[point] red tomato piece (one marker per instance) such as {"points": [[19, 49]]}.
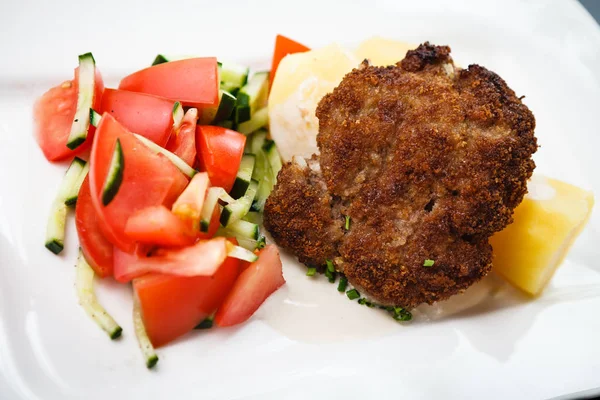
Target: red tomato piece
{"points": [[54, 113], [220, 152], [97, 250], [194, 82], [173, 305], [283, 47], [148, 180], [144, 114], [158, 226], [201, 259], [183, 141], [252, 288]]}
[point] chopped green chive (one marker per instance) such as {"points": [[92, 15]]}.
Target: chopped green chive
{"points": [[330, 267], [362, 301], [428, 263], [205, 324], [343, 283], [400, 314], [347, 223], [330, 275], [353, 294], [311, 271]]}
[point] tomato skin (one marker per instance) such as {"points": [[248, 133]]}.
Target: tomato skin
{"points": [[97, 250], [283, 47], [220, 152], [172, 305], [200, 259], [148, 180], [183, 142], [144, 114], [254, 285], [158, 226], [193, 81], [54, 113]]}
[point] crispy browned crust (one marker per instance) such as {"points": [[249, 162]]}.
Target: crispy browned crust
{"points": [[428, 161], [299, 215]]}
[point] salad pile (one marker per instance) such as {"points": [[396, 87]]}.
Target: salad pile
{"points": [[179, 166]]}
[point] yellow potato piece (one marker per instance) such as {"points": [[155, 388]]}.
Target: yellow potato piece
{"points": [[383, 52], [546, 223]]}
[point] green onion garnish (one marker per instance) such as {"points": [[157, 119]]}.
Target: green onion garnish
{"points": [[347, 223], [353, 294], [343, 283], [311, 271], [330, 267], [400, 314], [330, 275], [428, 263], [362, 301]]}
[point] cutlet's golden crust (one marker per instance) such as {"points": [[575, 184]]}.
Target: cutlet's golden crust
{"points": [[428, 161]]}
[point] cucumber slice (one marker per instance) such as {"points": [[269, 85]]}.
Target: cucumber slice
{"points": [[273, 157], [259, 120], [210, 202], [115, 175], [150, 356], [257, 141], [85, 98], [242, 253], [233, 74], [55, 229], [84, 285], [94, 118], [242, 179], [244, 229], [177, 115], [178, 162], [251, 97], [226, 124], [234, 211], [254, 217], [71, 199], [221, 112]]}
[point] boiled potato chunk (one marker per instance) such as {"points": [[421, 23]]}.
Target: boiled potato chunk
{"points": [[383, 52], [546, 223]]}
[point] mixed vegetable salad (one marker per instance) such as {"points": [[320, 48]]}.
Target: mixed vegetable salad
{"points": [[179, 165]]}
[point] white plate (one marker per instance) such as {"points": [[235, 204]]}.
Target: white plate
{"points": [[507, 348]]}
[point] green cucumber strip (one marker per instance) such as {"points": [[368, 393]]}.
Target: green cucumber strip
{"points": [[206, 323], [114, 177], [245, 229], [160, 59], [273, 157], [55, 229], [84, 284], [85, 97], [150, 356], [226, 124], [71, 199], [259, 120], [242, 111], [221, 112], [264, 172], [178, 162], [242, 179], [257, 141], [242, 254], [210, 202], [254, 217], [94, 118], [233, 74], [234, 211], [255, 92], [177, 115]]}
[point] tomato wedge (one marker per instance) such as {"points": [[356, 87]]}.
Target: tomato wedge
{"points": [[158, 226], [183, 141], [97, 250], [201, 259], [283, 47], [144, 114], [173, 305], [194, 81], [220, 152], [251, 289], [54, 113], [148, 180]]}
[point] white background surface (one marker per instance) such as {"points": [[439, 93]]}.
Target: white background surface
{"points": [[548, 51]]}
